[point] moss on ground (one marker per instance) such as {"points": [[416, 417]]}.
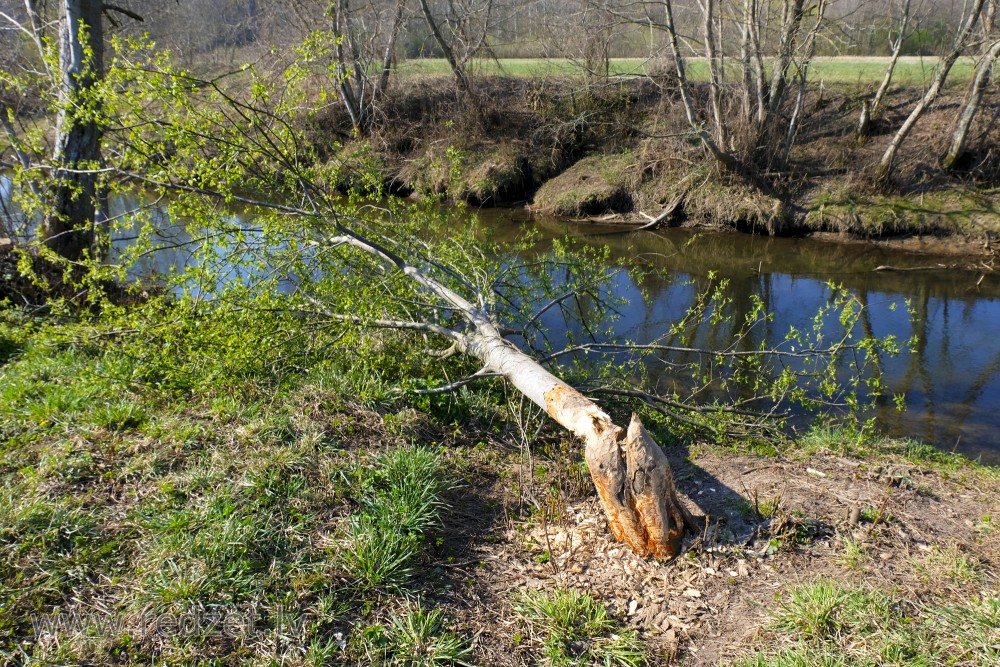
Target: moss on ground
{"points": [[595, 185], [966, 212]]}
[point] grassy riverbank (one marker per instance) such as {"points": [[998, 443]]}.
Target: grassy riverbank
{"points": [[323, 515], [622, 148]]}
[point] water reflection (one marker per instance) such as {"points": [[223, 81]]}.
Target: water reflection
{"points": [[952, 380]]}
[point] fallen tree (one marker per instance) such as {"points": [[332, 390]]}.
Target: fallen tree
{"points": [[630, 471], [333, 262]]}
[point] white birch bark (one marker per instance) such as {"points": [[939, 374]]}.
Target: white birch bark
{"points": [[888, 160], [629, 470]]}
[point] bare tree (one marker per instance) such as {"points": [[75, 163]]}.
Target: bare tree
{"points": [[802, 76], [974, 98], [871, 108], [965, 31], [365, 45], [687, 99], [752, 128], [460, 30]]}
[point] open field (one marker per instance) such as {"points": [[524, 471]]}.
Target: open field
{"points": [[911, 70]]}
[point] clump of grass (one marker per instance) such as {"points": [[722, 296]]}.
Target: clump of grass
{"points": [[574, 628], [948, 565], [119, 416], [402, 504], [417, 637], [827, 623], [854, 554], [830, 439]]}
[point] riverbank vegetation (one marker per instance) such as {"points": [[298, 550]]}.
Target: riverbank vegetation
{"points": [[321, 516], [257, 409], [888, 138]]}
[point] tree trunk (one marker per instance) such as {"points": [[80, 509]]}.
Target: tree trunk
{"points": [[714, 74], [803, 77], [70, 227], [390, 49], [338, 14], [980, 82], [871, 109], [449, 54], [630, 471], [752, 65], [720, 154], [885, 165], [791, 19]]}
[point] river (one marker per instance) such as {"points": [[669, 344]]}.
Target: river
{"points": [[951, 380]]}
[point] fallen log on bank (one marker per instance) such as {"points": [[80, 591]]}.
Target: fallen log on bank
{"points": [[645, 223], [629, 469]]}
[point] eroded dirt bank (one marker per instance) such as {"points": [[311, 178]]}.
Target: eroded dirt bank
{"points": [[621, 151]]}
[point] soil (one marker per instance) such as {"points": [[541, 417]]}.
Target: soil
{"points": [[714, 602]]}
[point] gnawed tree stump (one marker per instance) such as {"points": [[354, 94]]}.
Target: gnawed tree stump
{"points": [[631, 474], [629, 470]]}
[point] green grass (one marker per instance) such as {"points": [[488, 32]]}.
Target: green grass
{"points": [[827, 623], [417, 637], [123, 507], [305, 510], [910, 71], [575, 629], [401, 507], [824, 439]]}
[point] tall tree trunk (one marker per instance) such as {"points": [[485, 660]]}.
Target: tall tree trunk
{"points": [[390, 49], [757, 53], [871, 109], [974, 98], [347, 62], [963, 125], [803, 78], [714, 74], [884, 169], [457, 68], [791, 19], [752, 64], [720, 154], [70, 228]]}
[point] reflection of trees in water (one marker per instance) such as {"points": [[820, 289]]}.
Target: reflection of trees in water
{"points": [[957, 395]]}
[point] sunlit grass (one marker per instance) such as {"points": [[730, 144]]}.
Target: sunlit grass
{"points": [[415, 637], [910, 71], [237, 501], [574, 628], [828, 623]]}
